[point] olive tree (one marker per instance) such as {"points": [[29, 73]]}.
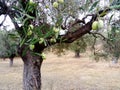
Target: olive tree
{"points": [[8, 46], [43, 23], [78, 46]]}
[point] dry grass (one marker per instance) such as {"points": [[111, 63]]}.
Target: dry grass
{"points": [[64, 73]]}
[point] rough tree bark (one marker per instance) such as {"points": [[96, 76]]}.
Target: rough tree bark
{"points": [[32, 72]]}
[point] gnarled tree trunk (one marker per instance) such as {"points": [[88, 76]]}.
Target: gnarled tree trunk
{"points": [[32, 73]]}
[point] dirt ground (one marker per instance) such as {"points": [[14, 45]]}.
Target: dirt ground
{"points": [[65, 73]]}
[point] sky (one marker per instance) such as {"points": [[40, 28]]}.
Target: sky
{"points": [[7, 22]]}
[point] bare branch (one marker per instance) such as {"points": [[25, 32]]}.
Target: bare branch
{"points": [[103, 37], [64, 26], [72, 36], [96, 33]]}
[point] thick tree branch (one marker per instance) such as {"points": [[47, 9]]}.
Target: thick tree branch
{"points": [[72, 36], [69, 37]]}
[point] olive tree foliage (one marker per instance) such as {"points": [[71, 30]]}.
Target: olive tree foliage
{"points": [[43, 23], [8, 45], [110, 36], [2, 48], [113, 35]]}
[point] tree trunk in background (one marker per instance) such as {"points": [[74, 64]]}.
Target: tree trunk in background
{"points": [[11, 62], [4, 58], [32, 73], [77, 53], [115, 60]]}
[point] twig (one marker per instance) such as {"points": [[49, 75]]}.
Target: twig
{"points": [[103, 37]]}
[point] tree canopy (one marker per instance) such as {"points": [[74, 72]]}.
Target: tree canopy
{"points": [[43, 23]]}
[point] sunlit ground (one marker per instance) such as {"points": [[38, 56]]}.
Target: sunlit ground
{"points": [[64, 73]]}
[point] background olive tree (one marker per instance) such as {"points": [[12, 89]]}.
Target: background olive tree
{"points": [[8, 45]]}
